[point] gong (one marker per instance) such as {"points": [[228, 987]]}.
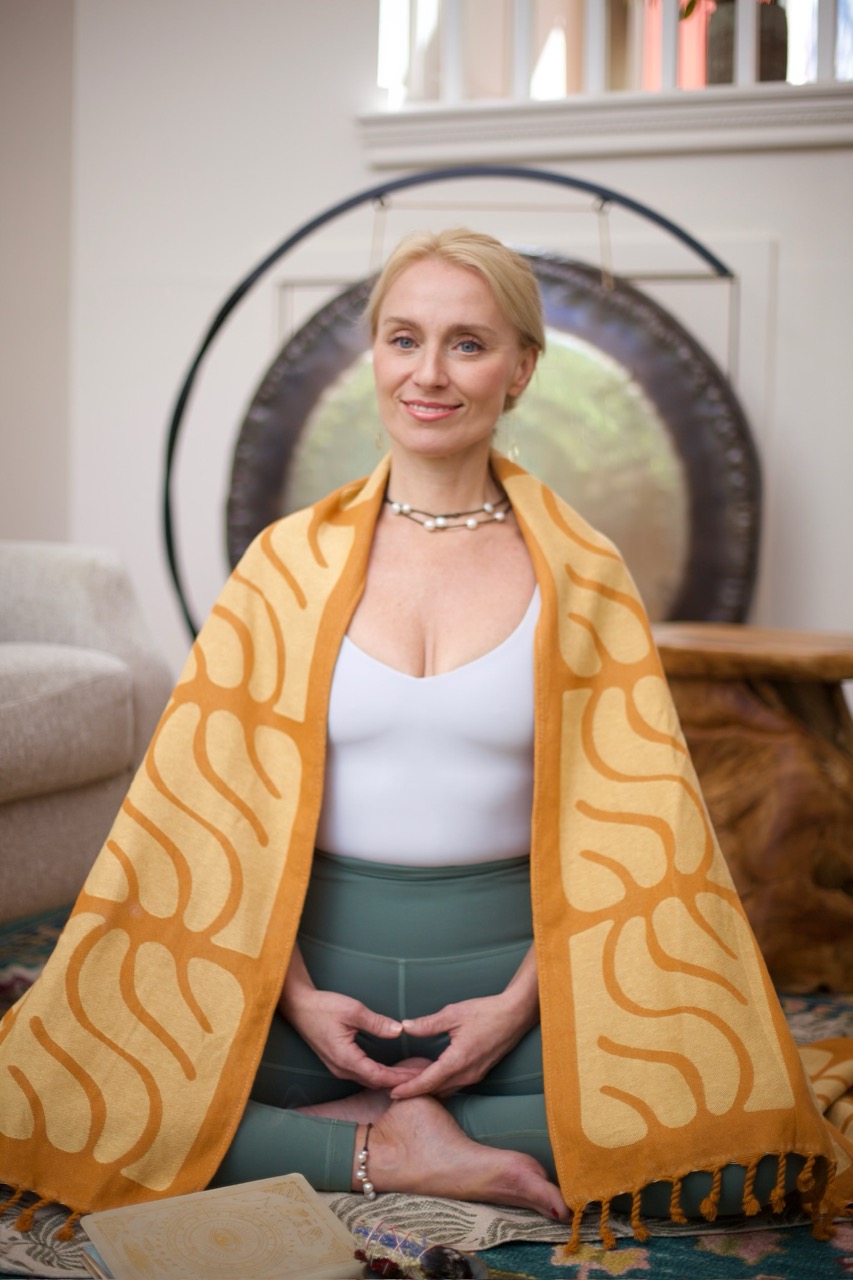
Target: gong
{"points": [[628, 418]]}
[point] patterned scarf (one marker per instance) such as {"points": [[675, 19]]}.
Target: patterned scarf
{"points": [[125, 1069]]}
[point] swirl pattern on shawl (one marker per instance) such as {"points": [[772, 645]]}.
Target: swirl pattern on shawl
{"points": [[115, 1057], [659, 1020]]}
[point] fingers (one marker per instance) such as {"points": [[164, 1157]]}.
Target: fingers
{"points": [[373, 1075], [358, 1017], [431, 1024], [361, 1068], [414, 1088], [441, 1076], [378, 1025]]}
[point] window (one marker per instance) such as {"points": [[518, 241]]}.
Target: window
{"points": [[461, 51]]}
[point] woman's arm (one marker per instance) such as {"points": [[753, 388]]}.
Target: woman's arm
{"points": [[329, 1023], [482, 1031]]}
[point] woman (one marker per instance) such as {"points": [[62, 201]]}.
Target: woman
{"points": [[436, 778], [518, 971], [452, 608]]}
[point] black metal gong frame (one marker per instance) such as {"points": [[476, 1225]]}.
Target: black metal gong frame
{"points": [[604, 195]]}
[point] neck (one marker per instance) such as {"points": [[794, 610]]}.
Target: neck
{"points": [[442, 484]]}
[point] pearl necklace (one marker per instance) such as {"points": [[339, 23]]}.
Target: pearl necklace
{"points": [[453, 519]]}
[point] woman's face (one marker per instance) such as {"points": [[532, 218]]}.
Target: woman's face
{"points": [[445, 358]]}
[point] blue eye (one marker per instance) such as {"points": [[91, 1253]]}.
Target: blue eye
{"points": [[404, 342], [468, 346]]}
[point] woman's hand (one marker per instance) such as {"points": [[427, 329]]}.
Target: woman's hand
{"points": [[329, 1023], [481, 1031]]}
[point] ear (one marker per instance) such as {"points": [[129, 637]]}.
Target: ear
{"points": [[527, 361]]}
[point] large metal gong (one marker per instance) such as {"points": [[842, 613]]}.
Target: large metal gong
{"points": [[627, 417]]}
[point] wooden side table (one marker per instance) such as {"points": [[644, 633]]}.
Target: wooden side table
{"points": [[771, 736]]}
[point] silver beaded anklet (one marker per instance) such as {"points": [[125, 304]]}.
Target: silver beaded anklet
{"points": [[361, 1169]]}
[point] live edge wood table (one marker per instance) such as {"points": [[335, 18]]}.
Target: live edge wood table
{"points": [[771, 735]]}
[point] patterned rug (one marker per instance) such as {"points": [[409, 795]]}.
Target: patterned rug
{"points": [[770, 1254], [24, 947], [512, 1243]]}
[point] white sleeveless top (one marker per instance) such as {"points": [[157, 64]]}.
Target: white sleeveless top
{"points": [[433, 770]]}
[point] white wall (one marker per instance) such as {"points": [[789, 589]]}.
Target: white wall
{"points": [[204, 131], [35, 196]]}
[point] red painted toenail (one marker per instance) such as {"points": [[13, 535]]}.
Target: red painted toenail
{"points": [[554, 1213]]}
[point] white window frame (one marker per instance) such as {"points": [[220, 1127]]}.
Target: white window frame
{"points": [[765, 116]]}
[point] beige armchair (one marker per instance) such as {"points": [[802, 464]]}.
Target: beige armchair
{"points": [[81, 690]]}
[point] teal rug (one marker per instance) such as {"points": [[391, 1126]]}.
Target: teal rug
{"points": [[788, 1253]]}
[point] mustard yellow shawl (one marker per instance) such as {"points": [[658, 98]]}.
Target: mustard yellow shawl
{"points": [[125, 1069]]}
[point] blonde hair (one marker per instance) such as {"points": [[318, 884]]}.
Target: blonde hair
{"points": [[508, 275]]}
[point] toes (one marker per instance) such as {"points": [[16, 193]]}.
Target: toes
{"points": [[528, 1185]]}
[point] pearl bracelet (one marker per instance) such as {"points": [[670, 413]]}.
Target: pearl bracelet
{"points": [[361, 1169]]}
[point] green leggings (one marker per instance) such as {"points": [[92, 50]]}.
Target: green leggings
{"points": [[406, 941]]}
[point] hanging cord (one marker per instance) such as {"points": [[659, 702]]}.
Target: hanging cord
{"points": [[573, 1243], [608, 1239], [675, 1210], [13, 1200], [66, 1231], [708, 1207], [777, 1197], [605, 246], [805, 1179], [751, 1205], [640, 1230], [377, 239], [25, 1218]]}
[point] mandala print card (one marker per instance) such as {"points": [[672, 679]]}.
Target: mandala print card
{"points": [[267, 1230]]}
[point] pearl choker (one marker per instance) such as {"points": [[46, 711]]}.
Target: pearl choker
{"points": [[453, 519]]}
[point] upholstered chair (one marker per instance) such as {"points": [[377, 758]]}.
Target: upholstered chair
{"points": [[82, 687]]}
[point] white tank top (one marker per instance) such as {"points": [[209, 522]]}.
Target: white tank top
{"points": [[433, 770]]}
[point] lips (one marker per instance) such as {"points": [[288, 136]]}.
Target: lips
{"points": [[429, 410]]}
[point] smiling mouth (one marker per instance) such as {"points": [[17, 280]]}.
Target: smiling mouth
{"points": [[429, 408]]}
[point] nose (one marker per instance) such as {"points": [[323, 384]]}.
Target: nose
{"points": [[430, 370]]}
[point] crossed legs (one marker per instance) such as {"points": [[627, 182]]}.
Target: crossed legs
{"points": [[416, 1145]]}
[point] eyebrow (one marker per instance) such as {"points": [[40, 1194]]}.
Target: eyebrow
{"points": [[471, 327]]}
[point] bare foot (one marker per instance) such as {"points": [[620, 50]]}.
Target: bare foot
{"points": [[416, 1146]]}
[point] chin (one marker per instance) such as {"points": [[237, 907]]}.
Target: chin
{"points": [[434, 443]]}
